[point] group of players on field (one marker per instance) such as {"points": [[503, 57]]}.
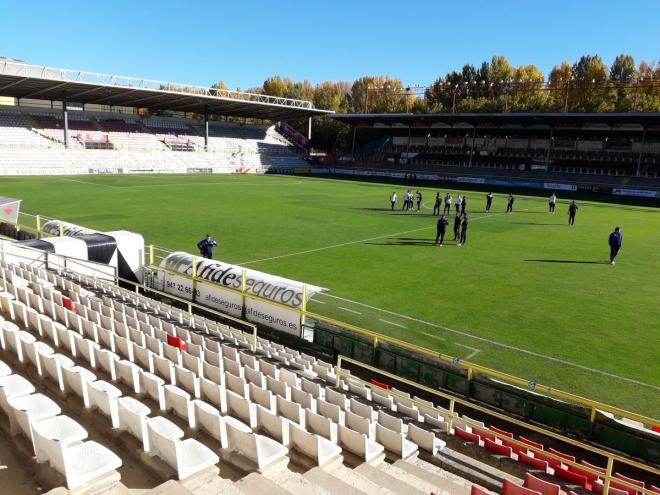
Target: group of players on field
{"points": [[461, 220]]}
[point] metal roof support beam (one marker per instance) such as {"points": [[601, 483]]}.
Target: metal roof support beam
{"points": [[65, 115], [19, 81], [50, 88]]}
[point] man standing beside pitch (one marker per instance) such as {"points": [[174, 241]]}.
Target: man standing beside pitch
{"points": [[441, 229], [206, 246], [463, 205], [447, 209], [509, 203], [458, 203], [393, 199], [572, 210], [457, 227], [419, 199], [615, 241], [489, 201], [552, 201], [464, 227], [436, 206]]}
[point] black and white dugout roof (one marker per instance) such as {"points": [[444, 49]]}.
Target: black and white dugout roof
{"points": [[499, 120], [22, 80]]}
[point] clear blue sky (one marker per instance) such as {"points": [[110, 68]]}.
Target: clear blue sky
{"points": [[243, 42]]}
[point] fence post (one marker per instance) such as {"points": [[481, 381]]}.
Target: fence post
{"points": [[243, 291], [61, 228], [337, 370], [304, 307], [38, 227], [451, 415], [151, 254], [194, 279], [608, 474]]}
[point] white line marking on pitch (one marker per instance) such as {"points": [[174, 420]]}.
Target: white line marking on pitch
{"points": [[317, 301], [474, 350], [391, 323], [87, 182], [360, 241], [434, 336], [349, 310], [505, 346]]}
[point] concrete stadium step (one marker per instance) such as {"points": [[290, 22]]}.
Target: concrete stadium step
{"points": [[436, 478], [297, 483], [256, 484], [216, 487], [345, 480], [332, 483], [403, 474], [383, 478]]}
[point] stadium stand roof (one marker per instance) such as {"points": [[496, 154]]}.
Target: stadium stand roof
{"points": [[22, 80], [440, 120]]}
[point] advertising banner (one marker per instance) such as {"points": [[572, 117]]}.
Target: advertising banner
{"points": [[471, 180], [559, 187], [641, 193], [282, 291], [9, 209]]}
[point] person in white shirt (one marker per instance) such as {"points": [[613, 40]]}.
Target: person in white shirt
{"points": [[459, 201], [393, 200], [552, 201], [447, 209]]}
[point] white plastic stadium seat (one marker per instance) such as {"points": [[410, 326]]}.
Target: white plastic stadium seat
{"points": [[30, 408], [261, 450], [321, 450], [186, 457], [359, 444], [395, 442], [133, 416], [425, 439]]}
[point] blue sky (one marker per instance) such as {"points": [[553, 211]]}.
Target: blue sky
{"points": [[243, 42]]}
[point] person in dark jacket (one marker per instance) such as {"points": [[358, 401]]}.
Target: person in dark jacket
{"points": [[206, 246], [463, 205], [436, 206], [489, 201], [615, 241], [457, 227], [441, 229], [572, 210], [464, 227], [509, 203]]}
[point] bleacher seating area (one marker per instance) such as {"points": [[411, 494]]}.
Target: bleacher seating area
{"points": [[35, 138], [567, 155], [98, 383]]}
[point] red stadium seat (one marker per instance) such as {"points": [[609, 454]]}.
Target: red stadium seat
{"points": [[176, 342], [561, 454], [497, 448], [599, 487], [501, 432], [544, 487], [477, 490], [515, 447], [530, 443], [484, 434], [590, 476], [466, 435], [552, 462], [379, 384], [654, 489], [510, 488], [632, 481], [594, 467], [68, 304], [533, 462], [574, 478]]}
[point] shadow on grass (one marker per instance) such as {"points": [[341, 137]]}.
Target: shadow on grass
{"points": [[572, 262]]}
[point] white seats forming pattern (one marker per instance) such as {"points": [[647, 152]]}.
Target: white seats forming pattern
{"points": [[251, 406]]}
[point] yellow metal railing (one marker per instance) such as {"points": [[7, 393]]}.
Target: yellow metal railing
{"points": [[451, 417]]}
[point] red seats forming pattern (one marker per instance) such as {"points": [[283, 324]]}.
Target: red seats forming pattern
{"points": [[515, 447], [589, 476], [599, 487], [632, 481], [385, 386], [483, 434], [476, 490], [544, 487], [654, 489], [562, 455], [552, 462]]}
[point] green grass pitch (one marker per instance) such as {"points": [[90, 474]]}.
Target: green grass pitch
{"points": [[527, 295]]}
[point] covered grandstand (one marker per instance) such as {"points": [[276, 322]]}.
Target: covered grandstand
{"points": [[609, 149]]}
